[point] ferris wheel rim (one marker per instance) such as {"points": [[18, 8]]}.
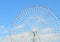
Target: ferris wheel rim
{"points": [[45, 7]]}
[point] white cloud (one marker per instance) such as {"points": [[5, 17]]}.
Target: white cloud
{"points": [[24, 37], [0, 38], [21, 37], [5, 39], [1, 26], [45, 37], [19, 26], [27, 36], [46, 30], [5, 31]]}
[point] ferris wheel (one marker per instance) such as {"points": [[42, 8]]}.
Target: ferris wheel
{"points": [[29, 24]]}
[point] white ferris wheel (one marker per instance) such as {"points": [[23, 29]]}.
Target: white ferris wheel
{"points": [[29, 25]]}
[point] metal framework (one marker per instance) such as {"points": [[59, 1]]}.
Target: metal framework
{"points": [[22, 13], [34, 36]]}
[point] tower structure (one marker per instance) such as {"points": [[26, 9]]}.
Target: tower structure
{"points": [[35, 36]]}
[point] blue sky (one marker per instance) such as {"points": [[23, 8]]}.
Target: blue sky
{"points": [[9, 9]]}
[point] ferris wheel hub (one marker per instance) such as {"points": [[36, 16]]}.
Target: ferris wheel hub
{"points": [[34, 30]]}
